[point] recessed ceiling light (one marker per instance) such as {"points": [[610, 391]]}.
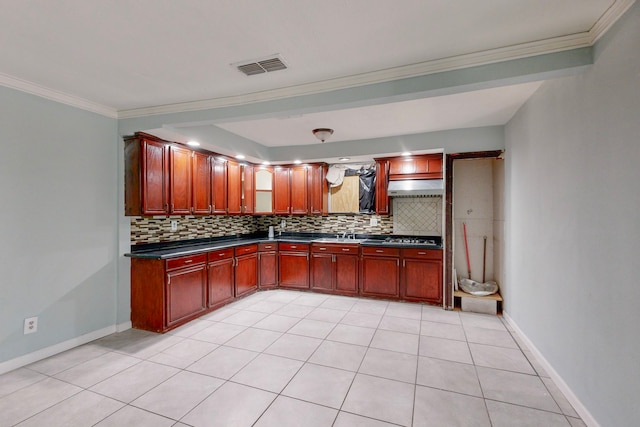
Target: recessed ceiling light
{"points": [[193, 143], [297, 162], [266, 163], [240, 156], [344, 159], [406, 153]]}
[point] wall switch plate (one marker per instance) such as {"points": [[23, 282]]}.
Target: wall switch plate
{"points": [[30, 325], [373, 221], [283, 224], [174, 225]]}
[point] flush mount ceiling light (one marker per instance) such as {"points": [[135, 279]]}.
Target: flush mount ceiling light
{"points": [[193, 143], [323, 133]]}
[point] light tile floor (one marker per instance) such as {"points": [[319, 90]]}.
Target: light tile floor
{"points": [[285, 358]]}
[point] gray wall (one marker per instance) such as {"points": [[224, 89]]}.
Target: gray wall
{"points": [[58, 219], [574, 225]]}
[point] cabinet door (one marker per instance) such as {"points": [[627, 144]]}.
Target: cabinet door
{"points": [[246, 274], [346, 273], [322, 271], [180, 179], [155, 178], [267, 270], [186, 293], [219, 186], [299, 184], [294, 269], [318, 190], [263, 190], [382, 184], [248, 190], [422, 280], [201, 187], [221, 281], [234, 188], [281, 193], [380, 276]]}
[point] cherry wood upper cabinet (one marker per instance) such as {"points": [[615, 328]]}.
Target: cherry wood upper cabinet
{"points": [[234, 188], [428, 166], [218, 186], [382, 184], [281, 192], [318, 189], [180, 180], [201, 186], [146, 176], [299, 184], [248, 191]]}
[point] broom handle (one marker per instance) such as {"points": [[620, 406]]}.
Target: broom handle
{"points": [[466, 248], [484, 258]]}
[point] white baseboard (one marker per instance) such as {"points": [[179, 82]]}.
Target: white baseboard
{"points": [[124, 326], [557, 379], [43, 353]]}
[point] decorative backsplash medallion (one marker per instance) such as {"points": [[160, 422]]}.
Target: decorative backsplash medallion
{"points": [[417, 215]]}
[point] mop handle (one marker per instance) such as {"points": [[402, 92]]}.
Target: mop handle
{"points": [[466, 247]]}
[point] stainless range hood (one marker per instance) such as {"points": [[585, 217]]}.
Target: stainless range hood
{"points": [[416, 187]]}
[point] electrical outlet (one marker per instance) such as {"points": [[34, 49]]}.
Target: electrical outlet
{"points": [[174, 225], [30, 325], [283, 224], [373, 221]]}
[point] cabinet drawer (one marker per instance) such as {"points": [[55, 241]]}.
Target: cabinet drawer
{"points": [[335, 249], [186, 261], [380, 250], [264, 247], [294, 246], [423, 253], [221, 254], [248, 249]]}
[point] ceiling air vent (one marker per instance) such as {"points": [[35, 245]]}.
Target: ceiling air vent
{"points": [[273, 63]]}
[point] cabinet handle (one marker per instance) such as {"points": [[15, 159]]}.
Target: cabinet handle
{"points": [[379, 251], [398, 262], [268, 247], [166, 207], [172, 207], [422, 253], [346, 249], [210, 209], [404, 263], [188, 261], [294, 247], [323, 249], [333, 258], [222, 254]]}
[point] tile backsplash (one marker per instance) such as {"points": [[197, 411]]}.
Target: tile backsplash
{"points": [[411, 216], [417, 215]]}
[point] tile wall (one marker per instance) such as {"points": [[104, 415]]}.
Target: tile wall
{"points": [[412, 216], [417, 215]]}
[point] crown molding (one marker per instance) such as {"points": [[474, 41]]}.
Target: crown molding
{"points": [[617, 9], [54, 95], [507, 53]]}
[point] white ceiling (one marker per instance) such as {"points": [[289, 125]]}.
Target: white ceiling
{"points": [[126, 56]]}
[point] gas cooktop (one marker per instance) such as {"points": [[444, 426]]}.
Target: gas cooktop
{"points": [[409, 241]]}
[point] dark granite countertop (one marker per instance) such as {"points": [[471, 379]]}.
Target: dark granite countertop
{"points": [[194, 246]]}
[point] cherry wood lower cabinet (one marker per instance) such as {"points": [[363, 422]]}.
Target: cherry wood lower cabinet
{"points": [[246, 269], [167, 293], [293, 265], [221, 277], [334, 268], [380, 272], [267, 265], [422, 275]]}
